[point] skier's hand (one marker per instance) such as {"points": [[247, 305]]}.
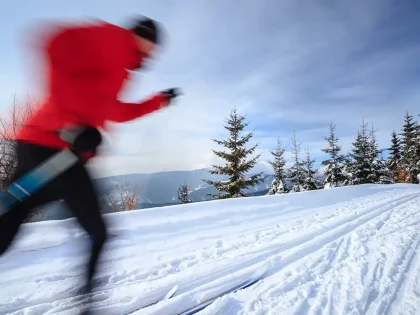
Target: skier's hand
{"points": [[170, 95]]}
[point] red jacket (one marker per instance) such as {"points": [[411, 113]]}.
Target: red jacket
{"points": [[87, 68]]}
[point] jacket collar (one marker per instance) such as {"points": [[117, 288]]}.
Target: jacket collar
{"points": [[135, 59]]}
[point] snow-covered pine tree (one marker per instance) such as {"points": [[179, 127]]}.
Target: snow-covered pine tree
{"points": [[348, 170], [296, 174], [361, 154], [309, 182], [383, 172], [334, 171], [394, 161], [380, 173], [237, 166], [409, 157], [417, 141], [184, 193], [278, 186]]}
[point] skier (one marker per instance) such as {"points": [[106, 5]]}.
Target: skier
{"points": [[87, 67]]}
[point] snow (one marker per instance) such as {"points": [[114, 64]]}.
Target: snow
{"points": [[348, 250]]}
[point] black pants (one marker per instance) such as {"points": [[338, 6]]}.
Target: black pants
{"points": [[73, 186]]}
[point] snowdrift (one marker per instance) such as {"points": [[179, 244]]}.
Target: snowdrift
{"points": [[350, 250]]}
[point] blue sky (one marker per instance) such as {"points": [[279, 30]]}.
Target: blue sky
{"points": [[288, 65]]}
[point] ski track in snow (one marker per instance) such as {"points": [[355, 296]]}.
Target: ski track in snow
{"points": [[352, 250]]}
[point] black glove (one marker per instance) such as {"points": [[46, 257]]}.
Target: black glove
{"points": [[82, 139], [172, 93]]}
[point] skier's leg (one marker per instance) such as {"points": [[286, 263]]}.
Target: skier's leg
{"points": [[81, 198], [28, 156], [12, 220]]}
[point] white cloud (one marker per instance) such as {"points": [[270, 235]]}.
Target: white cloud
{"points": [[278, 62], [288, 65]]}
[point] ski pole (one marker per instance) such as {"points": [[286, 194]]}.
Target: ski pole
{"points": [[24, 187]]}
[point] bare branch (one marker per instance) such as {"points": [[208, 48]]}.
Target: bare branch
{"points": [[123, 197], [10, 124]]}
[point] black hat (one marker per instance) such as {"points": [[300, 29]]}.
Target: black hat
{"points": [[147, 28]]}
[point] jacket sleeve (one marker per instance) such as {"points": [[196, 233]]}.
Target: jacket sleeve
{"points": [[123, 112]]}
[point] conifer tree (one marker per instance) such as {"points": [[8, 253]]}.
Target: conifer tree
{"points": [[394, 162], [309, 182], [278, 186], [417, 154], [380, 173], [367, 167], [361, 153], [383, 173], [348, 170], [184, 193], [295, 171], [237, 166], [409, 157], [334, 172]]}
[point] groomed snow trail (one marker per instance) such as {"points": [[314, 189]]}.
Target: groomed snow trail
{"points": [[351, 250]]}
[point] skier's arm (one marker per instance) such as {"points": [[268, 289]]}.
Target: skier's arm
{"points": [[129, 111]]}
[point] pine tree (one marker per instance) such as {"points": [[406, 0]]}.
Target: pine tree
{"points": [[334, 172], [296, 172], [380, 173], [278, 186], [409, 157], [184, 193], [384, 174], [394, 162], [361, 153], [367, 166], [348, 170], [309, 182], [417, 154], [237, 166]]}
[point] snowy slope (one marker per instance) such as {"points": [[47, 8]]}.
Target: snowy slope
{"points": [[350, 250]]}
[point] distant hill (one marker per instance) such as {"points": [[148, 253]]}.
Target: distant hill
{"points": [[160, 189]]}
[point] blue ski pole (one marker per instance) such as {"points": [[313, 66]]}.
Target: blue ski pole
{"points": [[28, 184], [34, 180]]}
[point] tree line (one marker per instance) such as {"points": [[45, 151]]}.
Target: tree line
{"points": [[365, 163]]}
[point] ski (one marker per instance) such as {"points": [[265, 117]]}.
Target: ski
{"points": [[257, 276], [154, 299], [146, 301]]}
